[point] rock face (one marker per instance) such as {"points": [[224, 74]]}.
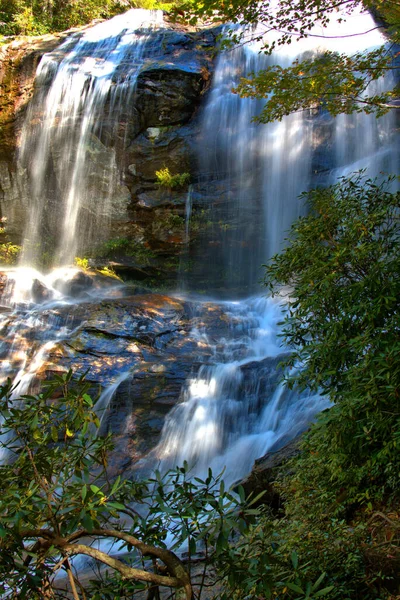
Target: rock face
{"points": [[138, 351], [156, 130]]}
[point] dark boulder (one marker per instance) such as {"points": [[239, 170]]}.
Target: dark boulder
{"points": [[75, 287], [168, 94], [40, 293], [264, 473]]}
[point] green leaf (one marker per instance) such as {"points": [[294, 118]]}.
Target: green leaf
{"points": [[54, 434], [294, 587], [87, 522], [84, 492], [318, 582], [192, 546], [116, 505], [323, 592], [115, 485]]}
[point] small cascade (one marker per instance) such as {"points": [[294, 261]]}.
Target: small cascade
{"points": [[188, 213], [103, 403], [229, 415], [236, 409], [81, 99]]}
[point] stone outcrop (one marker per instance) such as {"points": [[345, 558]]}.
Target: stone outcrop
{"points": [[146, 342], [157, 129], [264, 473]]}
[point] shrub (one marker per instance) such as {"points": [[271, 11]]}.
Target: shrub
{"points": [[9, 253], [82, 263], [55, 492], [343, 321], [167, 180]]}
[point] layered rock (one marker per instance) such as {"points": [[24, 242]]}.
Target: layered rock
{"points": [[156, 129]]}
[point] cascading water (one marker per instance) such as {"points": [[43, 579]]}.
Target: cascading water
{"points": [[79, 91], [234, 409], [221, 422]]}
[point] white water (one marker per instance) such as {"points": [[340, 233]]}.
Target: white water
{"points": [[221, 423], [235, 409], [75, 82], [229, 414]]}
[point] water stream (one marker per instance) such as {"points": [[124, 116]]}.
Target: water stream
{"points": [[80, 91], [233, 409]]}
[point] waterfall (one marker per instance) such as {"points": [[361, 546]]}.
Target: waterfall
{"points": [[264, 167], [79, 93], [225, 419], [234, 409]]}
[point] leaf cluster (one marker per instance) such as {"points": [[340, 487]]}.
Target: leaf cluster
{"points": [[56, 499], [167, 180], [330, 81], [336, 81]]}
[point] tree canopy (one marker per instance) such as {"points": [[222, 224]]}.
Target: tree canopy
{"points": [[36, 17]]}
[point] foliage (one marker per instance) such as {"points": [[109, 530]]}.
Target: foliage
{"points": [[82, 263], [36, 17], [9, 253], [55, 492], [337, 81], [167, 180], [127, 247], [342, 323], [109, 272], [333, 81]]}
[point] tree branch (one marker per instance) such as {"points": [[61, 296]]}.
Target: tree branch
{"points": [[126, 571]]}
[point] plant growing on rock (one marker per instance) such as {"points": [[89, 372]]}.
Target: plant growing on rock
{"points": [[82, 263], [167, 180], [9, 253]]}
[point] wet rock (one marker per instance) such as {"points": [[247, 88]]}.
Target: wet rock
{"points": [[75, 287], [264, 473], [157, 148], [168, 94], [40, 293]]}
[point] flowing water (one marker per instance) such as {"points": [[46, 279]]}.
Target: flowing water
{"points": [[80, 90], [234, 409]]}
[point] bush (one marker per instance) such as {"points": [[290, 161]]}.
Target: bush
{"points": [[9, 253], [55, 492], [167, 180], [342, 322], [82, 263]]}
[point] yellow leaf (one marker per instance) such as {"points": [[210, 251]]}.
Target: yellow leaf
{"points": [[69, 433]]}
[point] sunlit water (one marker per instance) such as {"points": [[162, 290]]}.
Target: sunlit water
{"points": [[234, 409], [79, 90]]}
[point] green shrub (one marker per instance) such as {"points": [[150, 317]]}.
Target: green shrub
{"points": [[82, 263], [126, 247], [342, 322], [9, 253], [167, 180], [55, 492]]}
